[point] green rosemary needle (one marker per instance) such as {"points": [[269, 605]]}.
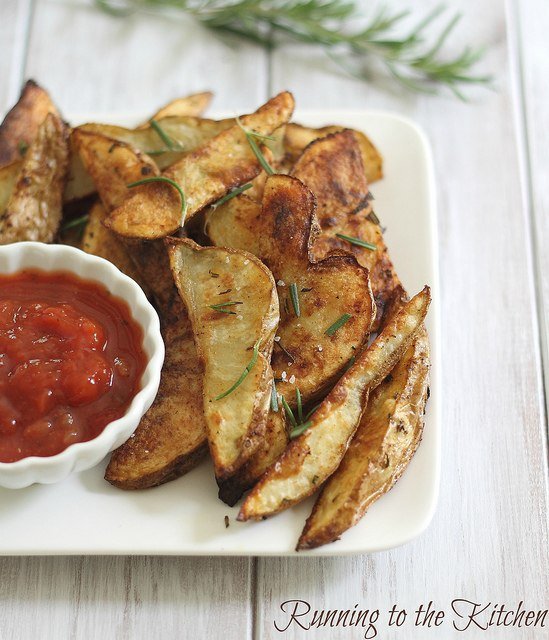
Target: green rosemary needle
{"points": [[169, 181], [232, 194], [221, 307], [243, 375], [338, 324], [294, 295], [274, 397], [299, 406], [77, 222], [357, 241], [251, 137]]}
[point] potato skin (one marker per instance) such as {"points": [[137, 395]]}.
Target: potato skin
{"points": [[386, 439], [34, 209]]}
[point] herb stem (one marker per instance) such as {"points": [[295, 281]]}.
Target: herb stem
{"points": [[243, 375], [357, 241]]}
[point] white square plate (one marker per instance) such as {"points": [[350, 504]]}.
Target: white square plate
{"points": [[86, 515]]}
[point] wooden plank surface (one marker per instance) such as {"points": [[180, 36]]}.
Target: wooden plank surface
{"points": [[493, 464], [488, 541], [14, 33], [530, 25]]}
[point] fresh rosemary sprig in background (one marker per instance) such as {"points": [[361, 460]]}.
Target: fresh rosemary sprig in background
{"points": [[337, 26]]}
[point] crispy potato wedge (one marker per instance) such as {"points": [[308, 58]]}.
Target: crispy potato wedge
{"points": [[333, 168], [384, 443], [297, 138], [34, 209], [20, 126], [306, 357], [205, 175], [191, 105], [272, 445], [171, 437], [99, 241], [314, 455], [231, 300]]}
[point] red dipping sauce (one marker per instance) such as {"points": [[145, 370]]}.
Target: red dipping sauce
{"points": [[71, 361]]}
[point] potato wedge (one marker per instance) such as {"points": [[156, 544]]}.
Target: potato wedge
{"points": [[99, 241], [34, 209], [386, 439], [191, 105], [205, 175], [313, 295], [231, 300], [234, 224], [314, 455], [333, 168], [20, 126], [272, 445], [171, 437], [298, 137]]}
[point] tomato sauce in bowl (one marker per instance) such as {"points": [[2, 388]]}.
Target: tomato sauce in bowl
{"points": [[71, 361]]}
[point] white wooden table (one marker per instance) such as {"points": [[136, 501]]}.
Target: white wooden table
{"points": [[488, 541]]}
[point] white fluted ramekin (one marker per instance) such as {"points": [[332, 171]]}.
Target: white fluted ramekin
{"points": [[83, 455]]}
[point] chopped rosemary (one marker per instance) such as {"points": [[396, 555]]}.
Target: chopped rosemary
{"points": [[274, 397], [338, 324], [311, 412], [166, 139], [350, 363], [251, 138], [22, 147], [231, 195], [220, 307], [294, 295], [171, 182], [357, 241], [243, 375], [372, 217], [213, 274], [76, 222], [297, 427]]}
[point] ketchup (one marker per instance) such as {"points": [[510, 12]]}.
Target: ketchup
{"points": [[71, 360]]}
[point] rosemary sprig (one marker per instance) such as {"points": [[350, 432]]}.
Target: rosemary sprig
{"points": [[338, 324], [232, 194], [294, 295], [243, 375], [372, 217], [221, 307], [357, 241], [350, 39], [171, 182], [252, 137]]}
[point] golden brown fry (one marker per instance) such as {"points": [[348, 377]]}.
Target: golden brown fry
{"points": [[297, 138], [8, 179], [386, 439], [205, 175], [234, 224], [34, 209], [332, 167], [231, 300], [191, 105], [314, 455], [20, 126]]}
